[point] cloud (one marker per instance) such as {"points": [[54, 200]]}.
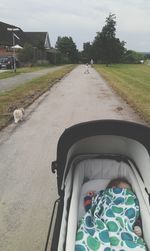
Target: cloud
{"points": [[81, 19]]}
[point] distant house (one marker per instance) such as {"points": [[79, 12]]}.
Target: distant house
{"points": [[6, 40], [39, 40]]}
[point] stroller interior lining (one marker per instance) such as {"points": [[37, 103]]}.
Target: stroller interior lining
{"points": [[110, 145], [94, 171]]}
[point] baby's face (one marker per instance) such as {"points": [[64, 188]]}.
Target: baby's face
{"points": [[124, 185]]}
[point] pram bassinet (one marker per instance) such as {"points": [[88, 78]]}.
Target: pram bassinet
{"points": [[88, 156]]}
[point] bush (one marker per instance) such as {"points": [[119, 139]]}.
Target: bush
{"points": [[26, 54], [133, 57]]}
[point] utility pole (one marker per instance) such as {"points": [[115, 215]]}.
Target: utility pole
{"points": [[13, 42]]}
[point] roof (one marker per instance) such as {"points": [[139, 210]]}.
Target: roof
{"points": [[6, 36], [36, 39]]}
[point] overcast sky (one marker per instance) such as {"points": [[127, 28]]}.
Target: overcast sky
{"points": [[81, 19]]}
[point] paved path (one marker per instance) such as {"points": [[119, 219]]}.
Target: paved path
{"points": [[27, 187], [10, 83]]}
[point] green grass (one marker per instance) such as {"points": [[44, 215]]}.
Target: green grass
{"points": [[8, 74], [11, 73], [26, 94], [132, 82]]}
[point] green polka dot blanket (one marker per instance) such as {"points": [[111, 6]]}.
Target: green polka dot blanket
{"points": [[108, 224]]}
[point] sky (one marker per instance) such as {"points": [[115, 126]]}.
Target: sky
{"points": [[81, 19]]}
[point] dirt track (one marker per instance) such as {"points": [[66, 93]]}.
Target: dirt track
{"points": [[27, 187], [10, 83]]}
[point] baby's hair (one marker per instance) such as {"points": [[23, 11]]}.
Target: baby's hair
{"points": [[117, 181]]}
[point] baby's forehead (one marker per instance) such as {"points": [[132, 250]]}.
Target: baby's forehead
{"points": [[124, 183]]}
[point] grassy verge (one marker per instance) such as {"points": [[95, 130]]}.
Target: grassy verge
{"points": [[8, 74], [11, 73], [132, 82], [26, 94]]}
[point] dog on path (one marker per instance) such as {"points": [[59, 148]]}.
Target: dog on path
{"points": [[18, 114], [86, 69]]}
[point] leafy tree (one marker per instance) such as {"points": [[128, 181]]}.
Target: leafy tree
{"points": [[87, 53], [109, 30], [68, 49], [40, 45], [97, 48], [133, 57], [106, 47], [26, 54]]}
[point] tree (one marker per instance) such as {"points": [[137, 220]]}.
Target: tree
{"points": [[68, 49], [106, 47], [26, 55], [133, 57], [87, 53]]}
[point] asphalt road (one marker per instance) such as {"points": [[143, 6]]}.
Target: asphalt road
{"points": [[27, 187], [10, 83]]}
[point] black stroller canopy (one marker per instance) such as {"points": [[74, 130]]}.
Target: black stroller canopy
{"points": [[78, 132]]}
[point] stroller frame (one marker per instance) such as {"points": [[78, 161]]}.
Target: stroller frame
{"points": [[93, 138]]}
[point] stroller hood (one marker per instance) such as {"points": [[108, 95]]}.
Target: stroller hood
{"points": [[94, 134]]}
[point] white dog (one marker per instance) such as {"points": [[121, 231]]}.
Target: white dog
{"points": [[86, 69], [18, 114]]}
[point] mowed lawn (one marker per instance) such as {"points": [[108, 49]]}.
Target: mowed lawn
{"points": [[132, 82]]}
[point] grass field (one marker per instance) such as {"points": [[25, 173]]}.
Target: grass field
{"points": [[24, 95], [132, 82]]}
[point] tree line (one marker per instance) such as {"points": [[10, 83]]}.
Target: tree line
{"points": [[106, 48]]}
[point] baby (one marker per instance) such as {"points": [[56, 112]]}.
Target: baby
{"points": [[121, 183]]}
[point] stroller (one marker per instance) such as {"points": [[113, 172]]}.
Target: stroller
{"points": [[89, 155]]}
